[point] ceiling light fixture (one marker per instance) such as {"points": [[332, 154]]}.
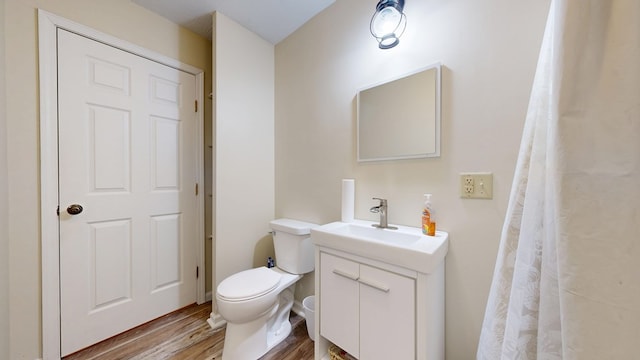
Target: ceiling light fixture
{"points": [[388, 23]]}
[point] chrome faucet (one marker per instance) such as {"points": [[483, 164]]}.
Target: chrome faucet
{"points": [[382, 210]]}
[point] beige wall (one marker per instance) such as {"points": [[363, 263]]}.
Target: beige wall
{"points": [[489, 51], [4, 232], [119, 18], [244, 126]]}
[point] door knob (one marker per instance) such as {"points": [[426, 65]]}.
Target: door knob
{"points": [[74, 209]]}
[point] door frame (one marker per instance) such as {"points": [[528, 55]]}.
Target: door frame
{"points": [[48, 24]]}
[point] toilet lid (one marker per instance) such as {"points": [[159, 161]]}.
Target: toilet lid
{"points": [[248, 284]]}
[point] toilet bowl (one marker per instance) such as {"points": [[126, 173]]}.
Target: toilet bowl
{"points": [[256, 302]]}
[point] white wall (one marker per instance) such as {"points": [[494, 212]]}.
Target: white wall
{"points": [[244, 127], [120, 18], [489, 51], [4, 231]]}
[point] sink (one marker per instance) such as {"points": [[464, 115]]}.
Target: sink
{"points": [[407, 246], [373, 233]]}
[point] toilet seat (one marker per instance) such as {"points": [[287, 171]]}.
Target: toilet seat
{"points": [[248, 284]]}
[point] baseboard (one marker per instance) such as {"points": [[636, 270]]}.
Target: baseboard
{"points": [[208, 296]]}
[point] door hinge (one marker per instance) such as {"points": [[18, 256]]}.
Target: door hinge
{"points": [[58, 210], [197, 272], [197, 189], [196, 105]]}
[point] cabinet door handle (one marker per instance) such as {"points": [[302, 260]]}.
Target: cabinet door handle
{"points": [[374, 284], [345, 274]]}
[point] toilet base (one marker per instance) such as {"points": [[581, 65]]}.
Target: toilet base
{"points": [[239, 346], [275, 337], [246, 341], [251, 340]]}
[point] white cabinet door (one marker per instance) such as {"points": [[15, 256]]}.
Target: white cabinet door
{"points": [[339, 292], [368, 312], [387, 315]]}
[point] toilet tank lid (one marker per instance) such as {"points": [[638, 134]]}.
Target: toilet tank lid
{"points": [[290, 226]]}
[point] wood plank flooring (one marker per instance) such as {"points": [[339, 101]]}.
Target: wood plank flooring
{"points": [[186, 335]]}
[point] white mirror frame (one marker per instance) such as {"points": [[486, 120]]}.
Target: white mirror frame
{"points": [[386, 130]]}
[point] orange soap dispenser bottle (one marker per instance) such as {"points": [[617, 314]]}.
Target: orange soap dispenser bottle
{"points": [[426, 214]]}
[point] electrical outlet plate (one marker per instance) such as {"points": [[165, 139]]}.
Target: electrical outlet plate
{"points": [[476, 185]]}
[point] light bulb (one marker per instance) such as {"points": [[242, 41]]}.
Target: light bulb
{"points": [[386, 21]]}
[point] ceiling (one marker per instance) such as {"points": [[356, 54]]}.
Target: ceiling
{"points": [[273, 20]]}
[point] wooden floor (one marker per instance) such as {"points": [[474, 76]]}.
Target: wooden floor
{"points": [[185, 334]]}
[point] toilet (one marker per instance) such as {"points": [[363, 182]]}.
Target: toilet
{"points": [[256, 302]]}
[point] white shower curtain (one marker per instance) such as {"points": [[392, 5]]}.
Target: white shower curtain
{"points": [[567, 278]]}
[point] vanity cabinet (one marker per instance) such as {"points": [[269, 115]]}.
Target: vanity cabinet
{"points": [[379, 292], [366, 310]]}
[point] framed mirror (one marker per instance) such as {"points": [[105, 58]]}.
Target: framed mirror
{"points": [[400, 119]]}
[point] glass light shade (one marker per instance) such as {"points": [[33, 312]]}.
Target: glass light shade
{"points": [[388, 23], [385, 21]]}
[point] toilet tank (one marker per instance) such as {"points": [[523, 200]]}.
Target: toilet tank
{"points": [[293, 246]]}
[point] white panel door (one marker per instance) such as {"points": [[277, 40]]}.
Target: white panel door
{"points": [[127, 155]]}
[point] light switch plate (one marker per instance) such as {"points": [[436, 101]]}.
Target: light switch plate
{"points": [[476, 185]]}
